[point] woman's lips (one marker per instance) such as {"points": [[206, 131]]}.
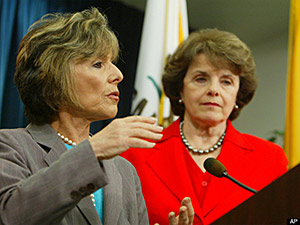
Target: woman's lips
{"points": [[211, 104], [114, 95]]}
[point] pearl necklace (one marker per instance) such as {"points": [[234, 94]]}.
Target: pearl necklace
{"points": [[66, 140], [93, 199], [70, 142], [200, 151]]}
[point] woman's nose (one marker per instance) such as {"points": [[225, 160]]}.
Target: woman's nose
{"points": [[213, 90], [116, 74]]}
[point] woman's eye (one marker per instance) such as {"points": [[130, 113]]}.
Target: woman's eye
{"points": [[98, 65], [201, 79], [227, 82]]}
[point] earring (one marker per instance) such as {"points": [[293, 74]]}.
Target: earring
{"points": [[236, 106], [180, 101]]}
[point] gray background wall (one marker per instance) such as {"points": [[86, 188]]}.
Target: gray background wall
{"points": [[266, 112]]}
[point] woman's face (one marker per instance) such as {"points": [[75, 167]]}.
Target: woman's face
{"points": [[96, 84], [209, 93]]}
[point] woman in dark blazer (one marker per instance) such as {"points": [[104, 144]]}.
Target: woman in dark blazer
{"points": [[53, 171]]}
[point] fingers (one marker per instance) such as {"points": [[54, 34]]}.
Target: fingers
{"points": [[144, 123], [140, 128], [186, 214], [172, 219], [181, 219], [147, 123], [145, 133], [125, 133], [190, 210], [144, 119], [183, 216]]}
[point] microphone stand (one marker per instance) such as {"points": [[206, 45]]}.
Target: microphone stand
{"points": [[225, 174]]}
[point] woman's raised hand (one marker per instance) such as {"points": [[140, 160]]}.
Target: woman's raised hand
{"points": [[185, 216], [125, 133]]}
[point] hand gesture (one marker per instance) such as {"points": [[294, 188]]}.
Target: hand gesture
{"points": [[122, 134], [185, 216]]}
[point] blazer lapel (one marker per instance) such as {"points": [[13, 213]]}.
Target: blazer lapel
{"points": [[46, 136], [235, 149], [113, 206], [162, 163], [88, 210]]}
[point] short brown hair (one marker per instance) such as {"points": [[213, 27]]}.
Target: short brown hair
{"points": [[46, 53], [221, 47]]}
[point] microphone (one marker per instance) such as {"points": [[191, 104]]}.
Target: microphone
{"points": [[216, 168]]}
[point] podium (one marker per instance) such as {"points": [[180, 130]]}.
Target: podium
{"points": [[278, 203]]}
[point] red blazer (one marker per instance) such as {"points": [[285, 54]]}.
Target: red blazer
{"points": [[166, 181]]}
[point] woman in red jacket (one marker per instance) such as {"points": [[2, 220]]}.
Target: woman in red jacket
{"points": [[209, 79]]}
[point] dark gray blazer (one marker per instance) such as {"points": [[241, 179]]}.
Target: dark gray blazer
{"points": [[43, 183]]}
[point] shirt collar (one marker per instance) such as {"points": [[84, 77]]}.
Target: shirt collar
{"points": [[232, 135]]}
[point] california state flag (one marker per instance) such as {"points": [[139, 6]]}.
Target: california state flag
{"points": [[165, 26]]}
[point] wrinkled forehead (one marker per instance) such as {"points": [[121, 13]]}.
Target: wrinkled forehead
{"points": [[219, 62], [103, 53]]}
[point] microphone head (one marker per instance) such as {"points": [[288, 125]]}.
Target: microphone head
{"points": [[214, 167]]}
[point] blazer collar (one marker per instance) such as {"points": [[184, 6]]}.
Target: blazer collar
{"points": [[237, 138], [232, 135], [44, 134], [48, 139]]}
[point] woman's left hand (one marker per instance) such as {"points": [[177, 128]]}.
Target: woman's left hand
{"points": [[185, 216]]}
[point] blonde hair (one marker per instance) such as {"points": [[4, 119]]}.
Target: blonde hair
{"points": [[46, 55]]}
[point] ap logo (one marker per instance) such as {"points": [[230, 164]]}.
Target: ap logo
{"points": [[293, 221]]}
